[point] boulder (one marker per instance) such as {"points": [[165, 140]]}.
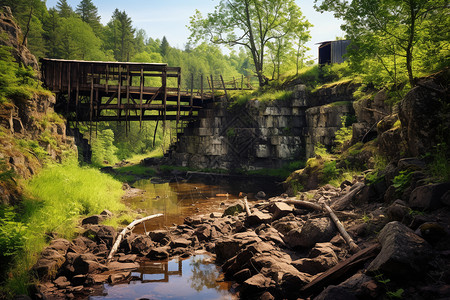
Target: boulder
{"points": [[159, 253], [314, 231], [141, 245], [255, 285], [445, 199], [61, 282], [403, 253], [333, 292], [60, 245], [280, 210], [78, 280], [87, 264], [180, 243], [230, 246], [257, 217], [48, 264], [292, 282], [362, 286], [318, 263], [101, 234], [203, 232], [427, 197], [106, 214], [93, 220]]}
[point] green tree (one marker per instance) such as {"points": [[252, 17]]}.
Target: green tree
{"points": [[52, 33], [164, 48], [249, 23], [89, 14], [78, 41], [390, 30], [64, 9], [120, 36]]}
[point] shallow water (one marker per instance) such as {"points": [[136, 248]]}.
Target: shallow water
{"points": [[193, 278], [196, 277], [197, 196]]}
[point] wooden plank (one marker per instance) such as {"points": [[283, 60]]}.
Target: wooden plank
{"points": [[201, 87], [141, 96], [224, 88], [119, 91], [178, 97], [341, 271], [191, 100], [69, 87], [107, 78], [212, 87], [91, 104], [77, 96]]}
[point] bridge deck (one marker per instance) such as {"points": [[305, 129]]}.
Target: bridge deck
{"points": [[115, 91]]}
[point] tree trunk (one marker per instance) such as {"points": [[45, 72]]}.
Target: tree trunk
{"points": [[409, 48]]}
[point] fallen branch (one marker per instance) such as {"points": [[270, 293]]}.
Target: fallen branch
{"points": [[305, 204], [130, 227], [247, 208], [353, 247], [343, 201]]}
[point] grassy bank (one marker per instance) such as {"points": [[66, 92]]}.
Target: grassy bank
{"points": [[53, 203]]}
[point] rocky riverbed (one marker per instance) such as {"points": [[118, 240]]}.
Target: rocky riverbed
{"points": [[280, 249]]}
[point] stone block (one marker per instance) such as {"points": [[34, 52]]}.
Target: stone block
{"points": [[282, 121], [275, 140], [269, 122], [262, 151], [285, 111], [205, 131]]}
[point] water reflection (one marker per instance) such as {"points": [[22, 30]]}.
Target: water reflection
{"points": [[193, 278], [178, 200]]}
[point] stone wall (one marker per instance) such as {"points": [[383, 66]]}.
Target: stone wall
{"points": [[258, 134]]}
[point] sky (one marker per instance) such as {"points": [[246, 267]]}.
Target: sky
{"points": [[170, 17]]}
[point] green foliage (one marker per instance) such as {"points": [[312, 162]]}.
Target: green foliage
{"points": [[344, 134], [86, 191], [12, 232], [103, 148], [402, 181], [329, 171], [440, 162], [281, 173]]}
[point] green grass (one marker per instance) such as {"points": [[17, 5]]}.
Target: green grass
{"points": [[282, 172], [54, 201]]}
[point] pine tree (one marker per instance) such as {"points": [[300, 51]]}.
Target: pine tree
{"points": [[120, 36], [64, 9], [164, 48], [89, 14]]}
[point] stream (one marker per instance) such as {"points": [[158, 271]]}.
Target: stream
{"points": [[196, 277]]}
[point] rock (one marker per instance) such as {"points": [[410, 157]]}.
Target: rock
{"points": [[280, 210], [98, 278], [117, 266], [60, 245], [180, 243], [321, 258], [48, 264], [260, 195], [128, 258], [159, 235], [411, 164], [203, 232], [192, 221], [215, 215], [428, 197], [257, 217], [101, 234], [333, 292], [432, 232], [314, 231], [445, 199], [292, 282], [87, 263], [233, 210], [362, 286], [403, 253], [242, 275], [61, 282], [399, 212], [159, 253], [271, 234], [106, 213], [255, 285], [94, 220], [141, 245], [266, 296], [78, 280], [230, 246], [118, 277]]}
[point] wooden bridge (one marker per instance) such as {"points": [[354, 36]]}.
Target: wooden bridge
{"points": [[125, 91]]}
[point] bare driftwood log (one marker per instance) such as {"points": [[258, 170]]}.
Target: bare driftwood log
{"points": [[130, 227], [305, 204], [342, 270], [247, 208], [353, 247]]}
